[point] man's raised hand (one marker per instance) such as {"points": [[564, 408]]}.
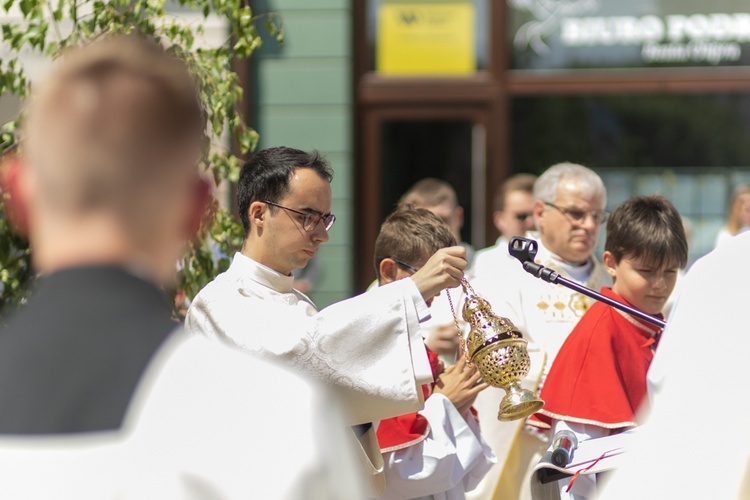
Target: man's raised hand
{"points": [[444, 269]]}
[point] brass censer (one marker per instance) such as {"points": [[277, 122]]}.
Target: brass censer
{"points": [[498, 349]]}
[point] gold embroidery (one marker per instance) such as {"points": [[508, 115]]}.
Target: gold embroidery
{"points": [[578, 303]]}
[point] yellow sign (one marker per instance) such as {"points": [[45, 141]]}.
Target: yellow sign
{"points": [[427, 38]]}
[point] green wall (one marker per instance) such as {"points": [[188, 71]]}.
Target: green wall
{"points": [[302, 98]]}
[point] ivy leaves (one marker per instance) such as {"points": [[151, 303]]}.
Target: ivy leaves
{"points": [[48, 27]]}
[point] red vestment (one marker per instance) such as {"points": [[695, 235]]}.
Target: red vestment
{"points": [[599, 376], [407, 430]]}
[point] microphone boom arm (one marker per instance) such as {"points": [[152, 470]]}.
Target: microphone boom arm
{"points": [[524, 250]]}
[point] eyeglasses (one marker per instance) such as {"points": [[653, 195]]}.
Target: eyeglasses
{"points": [[399, 262], [310, 219], [522, 216], [578, 216]]}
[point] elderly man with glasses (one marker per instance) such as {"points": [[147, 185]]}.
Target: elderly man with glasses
{"points": [[568, 211], [369, 348]]}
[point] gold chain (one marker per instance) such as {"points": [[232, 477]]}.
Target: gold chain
{"points": [[462, 342]]}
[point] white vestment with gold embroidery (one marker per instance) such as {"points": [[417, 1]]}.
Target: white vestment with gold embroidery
{"points": [[368, 348]]}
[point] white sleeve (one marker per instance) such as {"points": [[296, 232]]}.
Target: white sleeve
{"points": [[452, 456], [368, 348]]}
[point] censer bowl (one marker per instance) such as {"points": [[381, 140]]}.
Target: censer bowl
{"points": [[499, 351], [504, 364]]}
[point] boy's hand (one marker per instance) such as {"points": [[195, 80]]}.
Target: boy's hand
{"points": [[443, 270], [460, 383], [443, 340]]}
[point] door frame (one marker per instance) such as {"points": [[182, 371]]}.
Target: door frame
{"points": [[368, 184]]}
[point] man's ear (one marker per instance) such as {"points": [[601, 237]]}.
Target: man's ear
{"points": [[497, 220], [388, 270], [14, 183], [256, 213], [539, 210], [458, 213], [610, 263]]}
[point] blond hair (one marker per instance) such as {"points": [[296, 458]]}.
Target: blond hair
{"points": [[429, 192], [116, 118]]}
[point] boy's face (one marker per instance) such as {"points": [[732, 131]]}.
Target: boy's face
{"points": [[643, 285]]}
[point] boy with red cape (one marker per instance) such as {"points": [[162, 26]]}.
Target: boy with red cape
{"points": [[597, 382]]}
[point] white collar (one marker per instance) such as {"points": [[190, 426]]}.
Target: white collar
{"points": [[264, 275], [579, 273]]}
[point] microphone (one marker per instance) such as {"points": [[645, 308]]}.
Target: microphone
{"points": [[563, 445], [525, 250]]}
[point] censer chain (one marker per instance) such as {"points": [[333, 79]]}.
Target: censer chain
{"points": [[462, 342]]}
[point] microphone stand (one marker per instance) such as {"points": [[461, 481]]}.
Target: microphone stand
{"points": [[525, 249]]}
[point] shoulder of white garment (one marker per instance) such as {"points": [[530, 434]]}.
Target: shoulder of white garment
{"points": [[712, 301], [222, 405], [703, 352], [195, 393]]}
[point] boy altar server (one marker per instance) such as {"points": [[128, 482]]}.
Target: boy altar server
{"points": [[598, 380], [437, 453], [368, 348]]}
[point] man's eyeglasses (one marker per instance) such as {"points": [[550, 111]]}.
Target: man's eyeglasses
{"points": [[399, 262], [578, 216], [522, 216], [310, 218]]}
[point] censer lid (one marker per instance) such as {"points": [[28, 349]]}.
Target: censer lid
{"points": [[486, 327]]}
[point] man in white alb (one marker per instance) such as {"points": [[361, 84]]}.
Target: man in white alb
{"points": [[568, 212], [369, 348]]}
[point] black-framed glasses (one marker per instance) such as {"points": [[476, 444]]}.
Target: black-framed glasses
{"points": [[522, 216], [399, 262], [310, 218], [578, 216]]}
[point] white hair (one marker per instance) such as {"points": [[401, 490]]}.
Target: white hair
{"points": [[586, 180]]}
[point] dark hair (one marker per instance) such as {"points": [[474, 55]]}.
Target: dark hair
{"points": [[266, 176], [648, 228], [411, 234], [518, 182]]}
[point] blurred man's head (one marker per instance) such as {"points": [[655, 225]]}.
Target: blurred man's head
{"points": [[438, 197], [513, 206], [284, 198], [111, 146], [407, 239], [569, 210]]}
